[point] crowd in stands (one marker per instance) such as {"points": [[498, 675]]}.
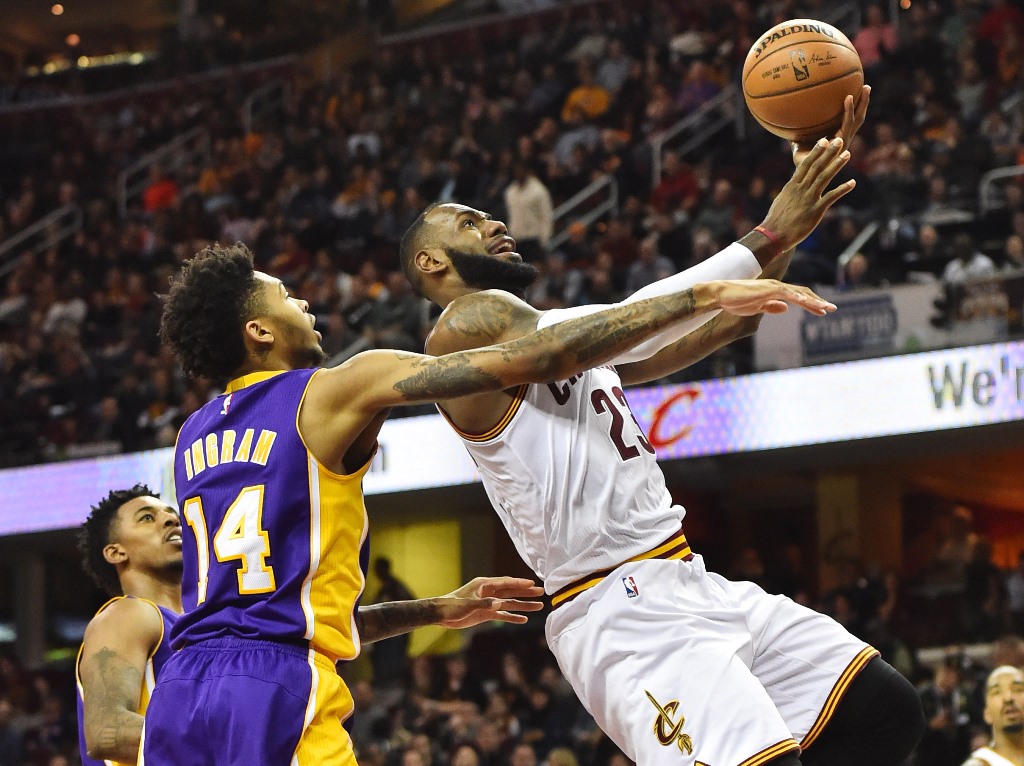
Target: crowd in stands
{"points": [[523, 118]]}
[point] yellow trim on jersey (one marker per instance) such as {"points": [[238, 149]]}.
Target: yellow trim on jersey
{"points": [[498, 427], [324, 740], [247, 380], [779, 748], [836, 695], [586, 586], [338, 526]]}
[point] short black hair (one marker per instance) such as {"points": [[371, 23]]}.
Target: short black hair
{"points": [[412, 244], [94, 536], [207, 304]]}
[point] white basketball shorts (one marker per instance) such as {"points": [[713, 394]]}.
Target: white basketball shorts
{"points": [[680, 666]]}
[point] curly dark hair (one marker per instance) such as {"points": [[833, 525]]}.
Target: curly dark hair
{"points": [[94, 536], [205, 308]]}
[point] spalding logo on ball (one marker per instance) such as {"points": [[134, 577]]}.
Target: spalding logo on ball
{"points": [[796, 77]]}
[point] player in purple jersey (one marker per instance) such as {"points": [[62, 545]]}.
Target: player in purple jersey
{"points": [[269, 475], [131, 546]]}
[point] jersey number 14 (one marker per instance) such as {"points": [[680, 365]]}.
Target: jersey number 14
{"points": [[240, 537]]}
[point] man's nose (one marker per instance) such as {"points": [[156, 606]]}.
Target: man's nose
{"points": [[496, 229]]}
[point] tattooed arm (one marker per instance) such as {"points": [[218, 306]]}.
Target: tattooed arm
{"points": [[480, 600], [342, 405], [719, 332], [388, 378], [117, 645]]}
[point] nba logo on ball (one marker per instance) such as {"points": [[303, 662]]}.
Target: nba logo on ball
{"points": [[632, 591], [796, 77]]}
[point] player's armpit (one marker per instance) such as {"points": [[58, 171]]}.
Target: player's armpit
{"points": [[117, 645]]}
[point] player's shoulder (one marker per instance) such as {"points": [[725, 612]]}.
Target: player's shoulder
{"points": [[126, 616], [481, 319]]}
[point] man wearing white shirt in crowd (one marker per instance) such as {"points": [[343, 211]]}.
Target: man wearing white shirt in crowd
{"points": [[967, 262], [530, 212]]}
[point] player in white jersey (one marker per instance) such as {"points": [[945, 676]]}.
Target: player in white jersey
{"points": [[677, 665], [1004, 712]]}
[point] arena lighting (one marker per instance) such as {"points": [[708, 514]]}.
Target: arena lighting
{"points": [[57, 9], [905, 4], [72, 39]]}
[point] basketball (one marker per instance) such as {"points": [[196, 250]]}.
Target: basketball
{"points": [[796, 77]]}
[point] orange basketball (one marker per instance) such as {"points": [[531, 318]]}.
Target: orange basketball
{"points": [[796, 77]]}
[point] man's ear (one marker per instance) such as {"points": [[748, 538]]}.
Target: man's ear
{"points": [[259, 333], [114, 553], [431, 261]]}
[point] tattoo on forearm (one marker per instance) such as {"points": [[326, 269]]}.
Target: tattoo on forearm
{"points": [[447, 377], [381, 621], [114, 686], [708, 331], [590, 340]]}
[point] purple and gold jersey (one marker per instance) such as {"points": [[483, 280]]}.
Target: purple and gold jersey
{"points": [[274, 544], [161, 652]]}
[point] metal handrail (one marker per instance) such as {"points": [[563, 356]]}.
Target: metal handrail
{"points": [[855, 245], [444, 28], [63, 101], [264, 100], [52, 229], [173, 155], [724, 103], [729, 105], [567, 210], [988, 198]]}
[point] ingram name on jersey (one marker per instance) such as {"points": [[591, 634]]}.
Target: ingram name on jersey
{"points": [[274, 544]]}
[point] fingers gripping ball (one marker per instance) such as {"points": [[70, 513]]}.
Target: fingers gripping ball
{"points": [[796, 77]]}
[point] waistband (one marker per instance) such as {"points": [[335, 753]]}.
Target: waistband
{"points": [[297, 648], [675, 547]]}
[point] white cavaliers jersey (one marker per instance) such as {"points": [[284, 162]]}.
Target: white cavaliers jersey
{"points": [[991, 757], [574, 479]]}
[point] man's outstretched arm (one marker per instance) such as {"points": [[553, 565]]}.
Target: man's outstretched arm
{"points": [[794, 213], [719, 332], [480, 600], [721, 329]]}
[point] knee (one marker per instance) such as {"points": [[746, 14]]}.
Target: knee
{"points": [[904, 721]]}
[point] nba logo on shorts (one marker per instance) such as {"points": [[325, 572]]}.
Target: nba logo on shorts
{"points": [[632, 591]]}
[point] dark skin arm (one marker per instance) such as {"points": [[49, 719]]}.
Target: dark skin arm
{"points": [[716, 334], [480, 600], [342, 402], [724, 329], [117, 645]]}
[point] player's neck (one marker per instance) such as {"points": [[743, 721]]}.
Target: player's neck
{"points": [[452, 293], [163, 589], [273, 361], [1009, 745]]}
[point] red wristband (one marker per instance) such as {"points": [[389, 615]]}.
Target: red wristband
{"points": [[772, 237]]}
